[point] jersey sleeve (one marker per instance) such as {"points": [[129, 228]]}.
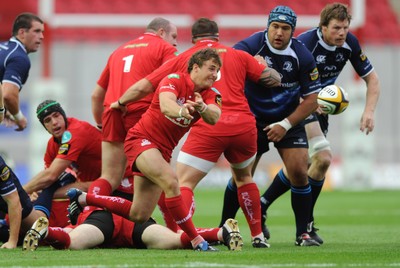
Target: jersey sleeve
{"points": [[170, 52], [16, 71], [170, 84], [104, 77], [358, 59], [161, 72], [254, 69], [7, 185]]}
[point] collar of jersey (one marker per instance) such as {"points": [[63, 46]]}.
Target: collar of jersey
{"points": [[14, 39]]}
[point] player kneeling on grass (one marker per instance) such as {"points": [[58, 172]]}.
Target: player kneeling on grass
{"points": [[100, 228]]}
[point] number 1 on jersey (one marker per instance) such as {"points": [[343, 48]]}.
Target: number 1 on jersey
{"points": [[128, 63]]}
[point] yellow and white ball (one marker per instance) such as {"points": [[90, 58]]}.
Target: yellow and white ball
{"points": [[334, 99]]}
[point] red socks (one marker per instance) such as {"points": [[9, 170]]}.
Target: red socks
{"points": [[181, 215], [169, 220], [100, 186], [57, 238], [249, 200], [188, 199], [114, 204]]}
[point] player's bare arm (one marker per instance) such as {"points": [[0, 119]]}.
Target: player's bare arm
{"points": [[170, 107], [15, 218], [137, 91], [11, 102], [367, 121], [47, 177], [98, 96], [270, 78]]}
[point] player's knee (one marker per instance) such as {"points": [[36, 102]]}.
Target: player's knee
{"points": [[170, 186], [139, 217], [317, 145], [298, 176], [323, 160]]}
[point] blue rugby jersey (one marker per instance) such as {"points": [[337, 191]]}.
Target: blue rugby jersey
{"points": [[298, 71], [331, 60], [14, 62]]}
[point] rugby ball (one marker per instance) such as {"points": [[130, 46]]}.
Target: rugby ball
{"points": [[333, 99]]}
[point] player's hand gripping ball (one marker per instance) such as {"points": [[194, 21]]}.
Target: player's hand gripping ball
{"points": [[333, 99]]}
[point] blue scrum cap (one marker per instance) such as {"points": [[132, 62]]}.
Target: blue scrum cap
{"points": [[283, 14]]}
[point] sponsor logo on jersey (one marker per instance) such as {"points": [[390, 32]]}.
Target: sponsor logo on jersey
{"points": [[66, 137], [330, 68], [169, 86], [218, 100], [5, 174], [136, 45], [64, 148], [314, 74], [174, 76], [145, 142], [363, 57]]}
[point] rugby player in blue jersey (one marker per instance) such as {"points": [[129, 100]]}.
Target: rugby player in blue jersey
{"points": [[280, 113], [15, 64], [332, 46]]}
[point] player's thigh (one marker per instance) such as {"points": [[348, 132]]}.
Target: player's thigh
{"points": [[145, 198], [313, 129], [153, 166], [86, 236], [113, 159], [160, 237], [188, 175]]}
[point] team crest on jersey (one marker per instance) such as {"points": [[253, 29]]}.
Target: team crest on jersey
{"points": [[66, 137], [363, 57], [64, 148], [287, 66], [340, 57], [314, 74], [174, 76], [5, 174], [320, 59]]}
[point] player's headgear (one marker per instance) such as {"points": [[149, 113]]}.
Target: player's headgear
{"points": [[48, 107], [204, 27], [283, 14]]}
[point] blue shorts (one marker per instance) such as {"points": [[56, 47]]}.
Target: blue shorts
{"points": [[295, 138]]}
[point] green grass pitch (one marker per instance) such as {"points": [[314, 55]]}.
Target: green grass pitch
{"points": [[360, 229]]}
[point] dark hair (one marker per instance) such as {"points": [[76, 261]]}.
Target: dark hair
{"points": [[24, 21], [336, 11], [48, 107], [158, 23], [204, 55], [204, 27]]}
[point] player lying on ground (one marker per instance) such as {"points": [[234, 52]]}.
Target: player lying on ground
{"points": [[100, 228]]}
